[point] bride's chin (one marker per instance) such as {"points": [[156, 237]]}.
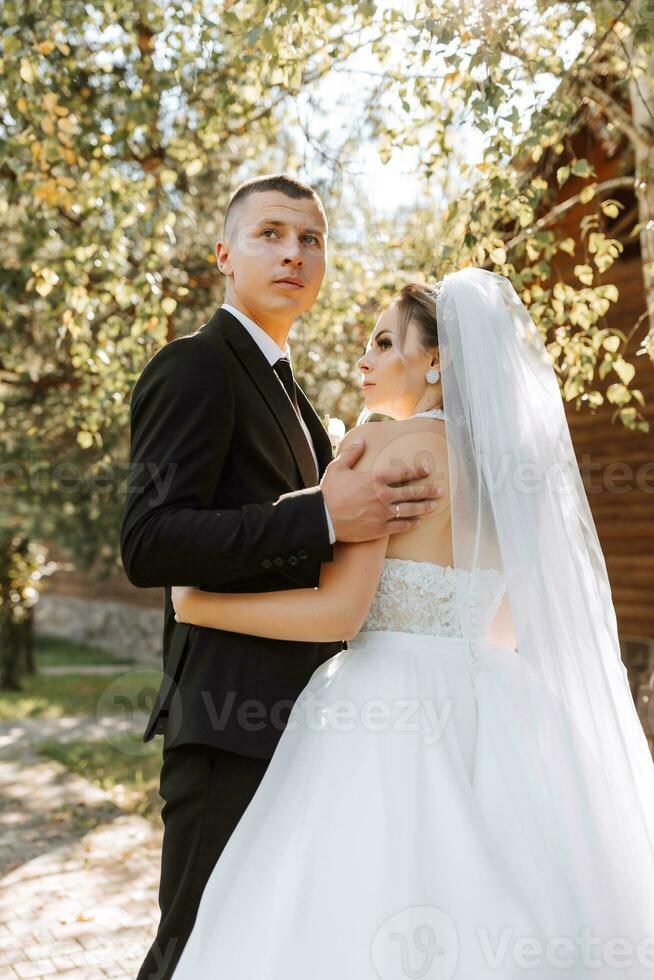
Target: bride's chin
{"points": [[375, 405]]}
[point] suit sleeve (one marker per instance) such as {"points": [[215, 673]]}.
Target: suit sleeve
{"points": [[181, 422]]}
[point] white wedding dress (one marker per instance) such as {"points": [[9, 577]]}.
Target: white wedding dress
{"points": [[399, 830]]}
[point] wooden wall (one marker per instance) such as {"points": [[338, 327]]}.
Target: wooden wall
{"points": [[620, 486]]}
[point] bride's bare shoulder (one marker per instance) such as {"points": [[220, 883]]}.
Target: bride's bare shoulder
{"points": [[397, 437]]}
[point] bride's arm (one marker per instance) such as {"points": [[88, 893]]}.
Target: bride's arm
{"points": [[335, 610]]}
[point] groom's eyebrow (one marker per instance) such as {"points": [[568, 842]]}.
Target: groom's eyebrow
{"points": [[282, 224]]}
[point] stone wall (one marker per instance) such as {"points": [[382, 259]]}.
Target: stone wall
{"points": [[124, 629], [106, 612]]}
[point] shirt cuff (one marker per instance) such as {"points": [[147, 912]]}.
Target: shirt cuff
{"points": [[332, 535]]}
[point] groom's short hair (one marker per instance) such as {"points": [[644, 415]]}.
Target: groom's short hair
{"points": [[268, 182]]}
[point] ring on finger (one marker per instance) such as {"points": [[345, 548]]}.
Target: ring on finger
{"points": [[397, 511]]}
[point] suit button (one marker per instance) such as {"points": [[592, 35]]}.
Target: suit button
{"points": [[292, 560], [303, 553], [279, 561], [266, 563]]}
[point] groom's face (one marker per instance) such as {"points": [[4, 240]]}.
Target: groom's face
{"points": [[274, 237]]}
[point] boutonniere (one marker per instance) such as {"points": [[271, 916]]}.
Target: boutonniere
{"points": [[335, 430]]}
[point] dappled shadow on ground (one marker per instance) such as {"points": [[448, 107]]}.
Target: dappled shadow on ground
{"points": [[78, 875]]}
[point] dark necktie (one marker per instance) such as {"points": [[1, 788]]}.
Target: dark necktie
{"points": [[283, 369]]}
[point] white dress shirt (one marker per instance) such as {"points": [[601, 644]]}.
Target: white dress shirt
{"points": [[272, 351]]}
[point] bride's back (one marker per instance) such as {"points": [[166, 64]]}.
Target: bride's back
{"points": [[412, 442]]}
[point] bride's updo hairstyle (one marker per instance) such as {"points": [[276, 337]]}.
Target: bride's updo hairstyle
{"points": [[416, 301]]}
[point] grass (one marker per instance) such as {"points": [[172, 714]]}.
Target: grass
{"points": [[132, 780], [54, 695]]}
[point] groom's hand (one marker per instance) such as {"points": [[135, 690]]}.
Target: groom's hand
{"points": [[362, 505]]}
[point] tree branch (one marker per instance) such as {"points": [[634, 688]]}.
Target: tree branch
{"points": [[613, 110], [555, 213]]}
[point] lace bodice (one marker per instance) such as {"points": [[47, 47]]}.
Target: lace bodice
{"points": [[423, 597]]}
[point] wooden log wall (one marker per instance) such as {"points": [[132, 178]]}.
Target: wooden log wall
{"points": [[620, 486]]}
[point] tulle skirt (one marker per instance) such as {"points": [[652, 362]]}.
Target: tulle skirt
{"points": [[404, 829]]}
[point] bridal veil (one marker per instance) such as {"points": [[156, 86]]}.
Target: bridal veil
{"points": [[519, 506]]}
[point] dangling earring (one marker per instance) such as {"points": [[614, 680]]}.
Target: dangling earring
{"points": [[432, 376]]}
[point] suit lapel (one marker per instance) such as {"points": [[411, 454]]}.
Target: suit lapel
{"points": [[264, 377]]}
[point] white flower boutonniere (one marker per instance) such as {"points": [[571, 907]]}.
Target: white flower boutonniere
{"points": [[335, 430]]}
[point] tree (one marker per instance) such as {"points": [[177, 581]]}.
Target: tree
{"points": [[518, 79], [124, 127]]}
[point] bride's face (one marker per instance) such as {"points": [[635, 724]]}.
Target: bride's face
{"points": [[393, 382]]}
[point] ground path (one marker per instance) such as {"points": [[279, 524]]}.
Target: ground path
{"points": [[78, 875]]}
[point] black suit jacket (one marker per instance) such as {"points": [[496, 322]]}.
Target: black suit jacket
{"points": [[221, 494]]}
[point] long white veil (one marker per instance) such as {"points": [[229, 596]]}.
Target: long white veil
{"points": [[519, 506]]}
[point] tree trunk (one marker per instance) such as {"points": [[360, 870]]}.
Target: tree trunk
{"points": [[17, 564], [9, 656], [27, 642], [641, 94]]}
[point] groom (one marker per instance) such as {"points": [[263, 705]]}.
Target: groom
{"points": [[232, 487]]}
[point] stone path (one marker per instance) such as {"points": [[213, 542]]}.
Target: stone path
{"points": [[79, 875], [17, 735]]}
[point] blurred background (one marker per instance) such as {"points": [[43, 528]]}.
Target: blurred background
{"points": [[518, 136]]}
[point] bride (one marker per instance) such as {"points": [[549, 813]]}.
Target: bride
{"points": [[465, 792]]}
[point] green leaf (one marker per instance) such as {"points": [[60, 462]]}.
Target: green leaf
{"points": [[581, 168], [85, 439], [231, 20], [585, 274], [498, 256], [624, 370], [618, 394], [611, 208], [27, 71]]}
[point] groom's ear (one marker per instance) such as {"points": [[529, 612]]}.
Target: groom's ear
{"points": [[223, 259]]}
